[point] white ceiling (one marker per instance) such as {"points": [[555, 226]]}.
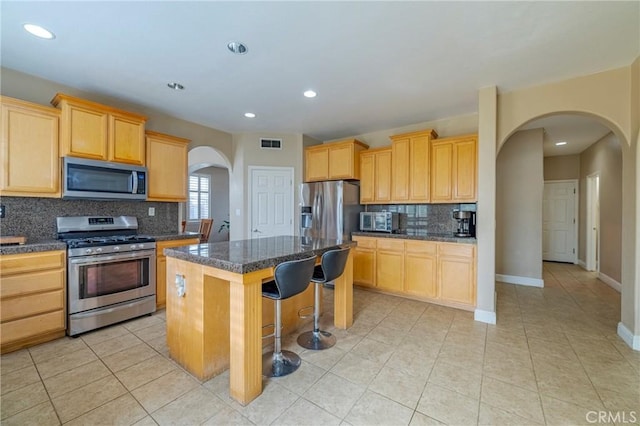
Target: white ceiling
{"points": [[577, 131], [375, 65]]}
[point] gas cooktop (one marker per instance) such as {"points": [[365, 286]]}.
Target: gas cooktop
{"points": [[107, 240]]}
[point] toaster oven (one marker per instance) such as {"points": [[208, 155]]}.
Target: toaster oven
{"points": [[379, 222]]}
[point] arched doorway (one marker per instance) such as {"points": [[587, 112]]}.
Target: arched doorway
{"points": [[209, 172], [529, 167]]}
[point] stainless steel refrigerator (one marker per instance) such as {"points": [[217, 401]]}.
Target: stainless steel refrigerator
{"points": [[330, 210]]}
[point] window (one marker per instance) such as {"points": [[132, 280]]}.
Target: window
{"points": [[199, 197]]}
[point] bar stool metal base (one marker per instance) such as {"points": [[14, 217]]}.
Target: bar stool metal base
{"points": [[278, 365], [316, 340]]}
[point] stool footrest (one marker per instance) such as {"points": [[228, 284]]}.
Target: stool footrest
{"points": [[304, 316]]}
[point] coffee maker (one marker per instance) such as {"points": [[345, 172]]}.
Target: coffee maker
{"points": [[466, 223]]}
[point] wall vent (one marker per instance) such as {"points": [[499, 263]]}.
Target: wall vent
{"points": [[270, 143]]}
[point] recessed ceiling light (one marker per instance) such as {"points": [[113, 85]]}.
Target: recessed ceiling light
{"points": [[175, 86], [237, 48], [249, 115], [310, 94], [38, 31], [560, 143]]}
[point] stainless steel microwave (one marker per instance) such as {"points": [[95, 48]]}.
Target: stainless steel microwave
{"points": [[379, 221], [93, 179]]}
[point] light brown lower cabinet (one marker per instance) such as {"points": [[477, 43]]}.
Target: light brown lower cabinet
{"points": [[161, 267], [32, 299], [438, 272], [364, 255]]}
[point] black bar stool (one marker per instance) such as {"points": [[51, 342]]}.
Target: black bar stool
{"points": [[330, 268], [290, 278]]}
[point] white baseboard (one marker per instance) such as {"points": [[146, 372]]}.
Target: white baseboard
{"points": [[610, 282], [514, 279], [484, 316], [628, 337], [582, 263]]}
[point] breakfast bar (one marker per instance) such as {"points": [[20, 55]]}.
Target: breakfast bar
{"points": [[214, 304]]}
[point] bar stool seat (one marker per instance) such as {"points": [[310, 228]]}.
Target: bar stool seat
{"points": [[331, 267], [290, 278]]}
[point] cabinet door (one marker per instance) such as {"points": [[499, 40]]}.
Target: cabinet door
{"points": [[167, 168], [441, 172], [400, 169], [316, 164], [421, 269], [84, 132], [126, 139], [389, 270], [390, 264], [341, 162], [29, 151], [364, 266], [367, 178], [383, 176], [464, 170], [456, 273], [419, 169]]}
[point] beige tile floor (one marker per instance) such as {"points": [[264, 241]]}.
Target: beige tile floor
{"points": [[553, 357]]}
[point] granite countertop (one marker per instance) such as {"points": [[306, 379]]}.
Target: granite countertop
{"points": [[34, 247], [253, 255], [419, 235], [40, 246], [175, 236]]}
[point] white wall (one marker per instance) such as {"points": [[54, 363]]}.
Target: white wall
{"points": [[247, 152], [519, 192]]}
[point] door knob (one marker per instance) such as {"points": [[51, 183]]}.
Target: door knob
{"points": [[256, 230]]}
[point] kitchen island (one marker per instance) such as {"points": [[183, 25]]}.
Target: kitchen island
{"points": [[214, 304]]}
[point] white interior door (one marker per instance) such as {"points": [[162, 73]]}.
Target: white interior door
{"points": [[593, 223], [271, 201], [559, 242]]}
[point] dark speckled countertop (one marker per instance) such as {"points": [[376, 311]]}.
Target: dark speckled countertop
{"points": [[246, 256], [418, 235], [40, 246]]}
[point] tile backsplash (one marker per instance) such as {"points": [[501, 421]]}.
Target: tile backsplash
{"points": [[425, 218], [35, 218]]}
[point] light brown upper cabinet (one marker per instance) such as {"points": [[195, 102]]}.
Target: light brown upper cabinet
{"points": [[333, 161], [96, 131], [166, 167], [454, 165], [375, 176], [29, 150], [410, 166]]}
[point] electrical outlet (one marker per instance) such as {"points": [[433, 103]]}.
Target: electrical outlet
{"points": [[2, 211], [152, 211]]}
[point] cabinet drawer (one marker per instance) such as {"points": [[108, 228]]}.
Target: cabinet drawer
{"points": [[32, 326], [16, 263], [423, 247], [365, 242], [452, 249], [22, 284], [390, 244], [25, 306]]}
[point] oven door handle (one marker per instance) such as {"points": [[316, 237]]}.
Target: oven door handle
{"points": [[132, 255]]}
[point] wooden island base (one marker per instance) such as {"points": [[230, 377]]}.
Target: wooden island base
{"points": [[217, 323]]}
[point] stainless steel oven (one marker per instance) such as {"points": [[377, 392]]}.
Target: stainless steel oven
{"points": [[111, 271]]}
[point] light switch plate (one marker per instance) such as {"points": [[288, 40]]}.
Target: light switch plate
{"points": [[152, 211]]}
